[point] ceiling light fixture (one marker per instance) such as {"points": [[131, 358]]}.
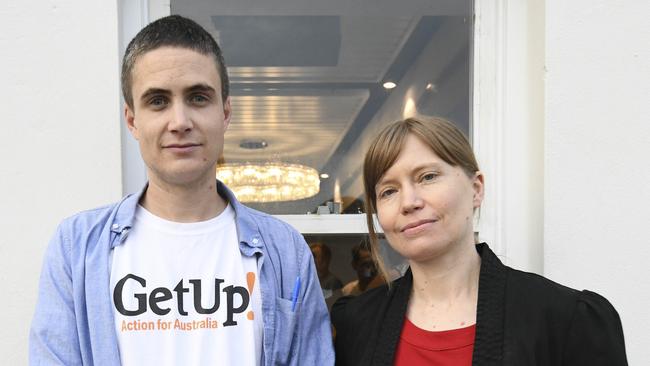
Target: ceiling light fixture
{"points": [[270, 182], [389, 85], [431, 87], [256, 144]]}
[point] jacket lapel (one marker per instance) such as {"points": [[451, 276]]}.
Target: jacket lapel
{"points": [[391, 329], [488, 344]]}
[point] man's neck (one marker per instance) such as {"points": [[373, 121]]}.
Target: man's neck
{"points": [[364, 281], [189, 203]]}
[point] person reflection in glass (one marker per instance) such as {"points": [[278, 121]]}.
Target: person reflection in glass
{"points": [[329, 283], [367, 274]]}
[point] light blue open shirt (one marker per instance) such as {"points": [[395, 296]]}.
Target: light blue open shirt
{"points": [[74, 325]]}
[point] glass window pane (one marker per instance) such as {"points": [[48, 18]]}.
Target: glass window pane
{"points": [[312, 82]]}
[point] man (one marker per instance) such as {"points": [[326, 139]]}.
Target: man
{"points": [[181, 273], [329, 283], [367, 276]]}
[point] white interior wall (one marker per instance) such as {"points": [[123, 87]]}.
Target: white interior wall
{"points": [[597, 149], [60, 150]]}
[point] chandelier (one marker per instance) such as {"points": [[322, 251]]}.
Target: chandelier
{"points": [[270, 182]]}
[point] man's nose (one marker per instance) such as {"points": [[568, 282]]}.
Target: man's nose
{"points": [[180, 120]]}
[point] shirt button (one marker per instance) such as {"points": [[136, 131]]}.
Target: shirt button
{"points": [[255, 241], [115, 226]]}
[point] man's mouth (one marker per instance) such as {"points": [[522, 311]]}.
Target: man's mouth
{"points": [[182, 148]]}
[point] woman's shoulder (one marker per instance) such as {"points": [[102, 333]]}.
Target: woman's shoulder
{"points": [[581, 309], [359, 320], [362, 312], [544, 290], [352, 309], [583, 322]]}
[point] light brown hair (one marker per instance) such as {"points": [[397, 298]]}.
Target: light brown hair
{"points": [[444, 139]]}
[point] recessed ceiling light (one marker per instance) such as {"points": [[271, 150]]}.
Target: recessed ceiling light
{"points": [[431, 87], [324, 175], [251, 144], [389, 85]]}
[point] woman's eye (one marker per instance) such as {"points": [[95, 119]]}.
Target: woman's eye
{"points": [[386, 193], [428, 177]]}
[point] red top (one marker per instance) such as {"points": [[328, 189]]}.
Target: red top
{"points": [[422, 347]]}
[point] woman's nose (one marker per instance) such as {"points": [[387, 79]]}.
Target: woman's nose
{"points": [[410, 200]]}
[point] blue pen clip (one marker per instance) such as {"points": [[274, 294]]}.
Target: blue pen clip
{"points": [[294, 295]]}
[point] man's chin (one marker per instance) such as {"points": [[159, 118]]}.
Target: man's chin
{"points": [[187, 177]]}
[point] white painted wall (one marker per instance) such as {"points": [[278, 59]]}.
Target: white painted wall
{"points": [[60, 139], [597, 150], [60, 149], [508, 128]]}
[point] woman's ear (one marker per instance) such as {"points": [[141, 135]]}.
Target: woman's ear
{"points": [[479, 188]]}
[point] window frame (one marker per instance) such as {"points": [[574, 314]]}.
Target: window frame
{"points": [[507, 90]]}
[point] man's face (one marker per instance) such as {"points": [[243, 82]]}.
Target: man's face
{"points": [[178, 116], [319, 259], [365, 267]]}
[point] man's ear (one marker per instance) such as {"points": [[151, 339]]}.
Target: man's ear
{"points": [[227, 113], [129, 116]]}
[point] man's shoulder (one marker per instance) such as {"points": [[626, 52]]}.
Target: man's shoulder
{"points": [[265, 218], [89, 217], [269, 225], [88, 224]]}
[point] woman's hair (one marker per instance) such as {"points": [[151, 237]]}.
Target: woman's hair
{"points": [[444, 139]]}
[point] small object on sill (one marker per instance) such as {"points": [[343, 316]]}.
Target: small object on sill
{"points": [[323, 210], [334, 207]]}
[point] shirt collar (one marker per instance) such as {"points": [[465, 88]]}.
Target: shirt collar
{"points": [[247, 228]]}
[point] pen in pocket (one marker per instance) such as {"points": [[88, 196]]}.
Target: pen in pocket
{"points": [[294, 295]]}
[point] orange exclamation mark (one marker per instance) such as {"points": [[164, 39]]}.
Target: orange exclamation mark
{"points": [[250, 280]]}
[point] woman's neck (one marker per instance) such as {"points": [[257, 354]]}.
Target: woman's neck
{"points": [[445, 290]]}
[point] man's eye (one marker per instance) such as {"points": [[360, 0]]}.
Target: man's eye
{"points": [[198, 99], [158, 102]]}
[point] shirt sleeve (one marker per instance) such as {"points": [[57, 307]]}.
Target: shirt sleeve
{"points": [[595, 334], [314, 326], [53, 338]]}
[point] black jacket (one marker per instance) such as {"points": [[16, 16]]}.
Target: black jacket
{"points": [[521, 319]]}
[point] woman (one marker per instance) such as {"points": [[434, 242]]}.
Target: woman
{"points": [[457, 304]]}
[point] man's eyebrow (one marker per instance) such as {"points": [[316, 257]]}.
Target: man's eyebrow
{"points": [[200, 88], [153, 91]]}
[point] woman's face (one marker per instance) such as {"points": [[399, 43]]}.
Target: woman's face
{"points": [[424, 205]]}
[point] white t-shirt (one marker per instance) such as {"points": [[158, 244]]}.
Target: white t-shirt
{"points": [[163, 281]]}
